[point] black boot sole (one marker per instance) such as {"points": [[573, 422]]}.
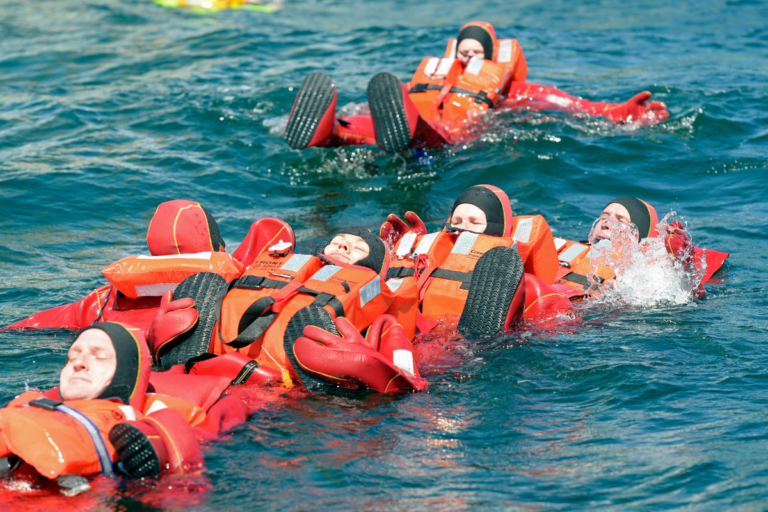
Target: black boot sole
{"points": [[385, 99], [314, 98], [135, 451]]}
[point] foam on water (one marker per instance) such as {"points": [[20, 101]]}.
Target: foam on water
{"points": [[647, 275]]}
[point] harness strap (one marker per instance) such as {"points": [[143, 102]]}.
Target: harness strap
{"points": [[93, 431], [465, 278], [258, 282], [577, 278], [479, 97], [398, 272]]}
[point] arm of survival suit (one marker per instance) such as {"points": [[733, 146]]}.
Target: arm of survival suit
{"points": [[74, 317], [638, 109]]}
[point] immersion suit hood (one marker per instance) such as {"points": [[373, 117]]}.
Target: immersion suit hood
{"points": [[183, 227], [377, 249], [641, 214], [495, 204], [133, 364], [482, 32]]}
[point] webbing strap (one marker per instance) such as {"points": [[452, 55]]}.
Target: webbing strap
{"points": [[480, 97], [93, 431], [258, 282], [465, 278], [398, 272], [577, 278]]}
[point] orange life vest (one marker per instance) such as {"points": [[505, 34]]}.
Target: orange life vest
{"points": [[575, 265], [289, 283], [442, 90], [55, 443], [535, 245]]}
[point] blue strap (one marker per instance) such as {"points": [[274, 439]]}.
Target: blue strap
{"points": [[93, 431]]}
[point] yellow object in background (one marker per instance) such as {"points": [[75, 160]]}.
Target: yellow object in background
{"points": [[218, 5]]}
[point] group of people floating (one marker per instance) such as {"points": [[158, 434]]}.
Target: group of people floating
{"points": [[344, 316]]}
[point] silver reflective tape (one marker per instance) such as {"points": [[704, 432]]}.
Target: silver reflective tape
{"points": [[426, 243], [296, 262], [370, 292], [523, 230], [405, 245], [464, 243], [324, 273], [474, 66], [155, 290], [571, 253], [559, 243], [505, 50], [444, 67], [394, 284], [431, 66]]}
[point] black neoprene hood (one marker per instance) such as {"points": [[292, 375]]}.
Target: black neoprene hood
{"points": [[638, 213], [478, 34], [128, 363], [377, 249], [487, 201]]}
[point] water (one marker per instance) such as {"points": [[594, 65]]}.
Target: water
{"points": [[108, 108]]}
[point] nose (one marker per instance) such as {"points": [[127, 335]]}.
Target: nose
{"points": [[344, 246], [80, 362]]}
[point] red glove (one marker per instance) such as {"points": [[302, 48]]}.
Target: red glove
{"points": [[383, 361], [677, 242], [638, 110], [173, 319], [394, 228]]}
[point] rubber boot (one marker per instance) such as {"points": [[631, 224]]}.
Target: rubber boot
{"points": [[395, 117], [312, 118], [160, 443]]}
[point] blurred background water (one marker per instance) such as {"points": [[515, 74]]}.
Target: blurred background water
{"points": [[108, 108]]}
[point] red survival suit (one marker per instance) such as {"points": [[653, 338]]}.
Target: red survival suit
{"points": [[183, 238], [439, 100]]}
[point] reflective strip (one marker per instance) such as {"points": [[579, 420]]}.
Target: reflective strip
{"points": [[474, 66], [130, 412], [571, 253], [559, 243], [370, 292], [444, 67], [403, 359], [394, 284], [523, 230], [405, 245], [431, 66], [505, 50], [196, 256], [296, 262], [426, 243], [155, 290], [93, 431], [452, 52], [464, 243], [324, 273]]}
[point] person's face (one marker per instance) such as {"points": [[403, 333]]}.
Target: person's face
{"points": [[347, 248], [469, 48], [470, 218], [91, 365], [615, 210]]}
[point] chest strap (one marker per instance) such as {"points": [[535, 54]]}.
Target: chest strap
{"points": [[452, 275], [98, 442], [479, 97], [258, 282]]}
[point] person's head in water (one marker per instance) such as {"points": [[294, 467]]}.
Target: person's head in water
{"points": [[627, 210], [106, 361], [475, 39], [482, 209], [357, 246]]}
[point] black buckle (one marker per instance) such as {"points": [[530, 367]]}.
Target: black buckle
{"points": [[45, 403]]}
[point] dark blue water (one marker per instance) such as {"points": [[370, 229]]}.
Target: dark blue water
{"points": [[109, 108]]}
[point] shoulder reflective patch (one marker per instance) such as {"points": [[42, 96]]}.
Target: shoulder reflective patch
{"points": [[444, 67], [130, 412], [296, 262], [601, 244], [474, 66], [431, 66], [370, 291], [571, 253], [464, 243], [523, 230], [452, 51], [394, 284], [505, 50], [405, 245], [196, 256], [426, 243], [559, 243], [324, 273], [157, 405], [403, 359], [155, 290]]}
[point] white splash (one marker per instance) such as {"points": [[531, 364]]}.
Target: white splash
{"points": [[646, 274]]}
